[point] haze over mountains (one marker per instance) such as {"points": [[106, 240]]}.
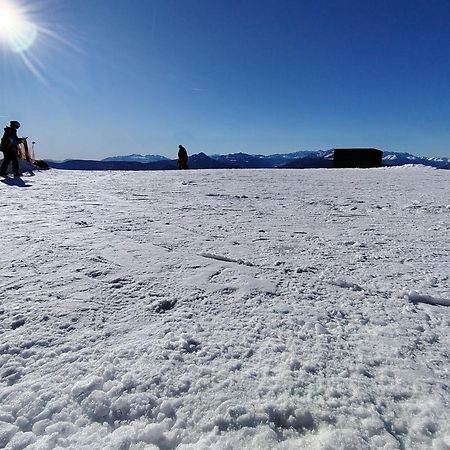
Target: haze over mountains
{"points": [[295, 160]]}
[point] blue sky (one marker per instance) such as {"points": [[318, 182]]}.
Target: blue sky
{"points": [[259, 76]]}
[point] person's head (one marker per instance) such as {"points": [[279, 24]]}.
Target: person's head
{"points": [[14, 124]]}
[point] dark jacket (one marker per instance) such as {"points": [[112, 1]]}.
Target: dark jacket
{"points": [[182, 152], [9, 141]]}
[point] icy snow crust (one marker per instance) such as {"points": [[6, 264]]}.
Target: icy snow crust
{"points": [[229, 309]]}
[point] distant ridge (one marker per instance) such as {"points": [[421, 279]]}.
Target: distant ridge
{"points": [[137, 158], [400, 159], [295, 160], [85, 164], [198, 161], [247, 161]]}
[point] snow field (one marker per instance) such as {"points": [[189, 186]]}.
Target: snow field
{"points": [[226, 309]]}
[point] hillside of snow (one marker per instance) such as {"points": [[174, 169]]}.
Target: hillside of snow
{"points": [[226, 309]]}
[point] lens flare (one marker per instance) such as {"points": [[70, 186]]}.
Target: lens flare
{"points": [[16, 29], [31, 29]]}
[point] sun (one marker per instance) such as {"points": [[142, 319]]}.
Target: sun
{"points": [[26, 31], [16, 30]]}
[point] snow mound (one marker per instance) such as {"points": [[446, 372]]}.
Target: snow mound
{"points": [[415, 297]]}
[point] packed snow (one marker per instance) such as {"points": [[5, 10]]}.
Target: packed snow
{"points": [[226, 309]]}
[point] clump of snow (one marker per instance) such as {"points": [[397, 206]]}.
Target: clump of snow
{"points": [[226, 309], [415, 297]]}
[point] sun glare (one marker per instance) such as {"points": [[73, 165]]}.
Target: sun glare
{"points": [[25, 24], [15, 28]]}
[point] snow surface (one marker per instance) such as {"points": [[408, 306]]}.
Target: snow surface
{"points": [[226, 309]]}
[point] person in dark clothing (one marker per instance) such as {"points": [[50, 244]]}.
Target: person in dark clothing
{"points": [[182, 157], [8, 146]]}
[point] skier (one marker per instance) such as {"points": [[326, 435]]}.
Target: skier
{"points": [[8, 146], [182, 157]]}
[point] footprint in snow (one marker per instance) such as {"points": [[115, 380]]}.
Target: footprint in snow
{"points": [[164, 305]]}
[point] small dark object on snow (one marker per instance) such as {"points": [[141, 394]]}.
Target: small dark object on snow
{"points": [[41, 164], [164, 305]]}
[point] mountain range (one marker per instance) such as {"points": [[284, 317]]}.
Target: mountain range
{"points": [[295, 160]]}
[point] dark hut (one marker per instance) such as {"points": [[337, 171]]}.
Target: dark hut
{"points": [[357, 157]]}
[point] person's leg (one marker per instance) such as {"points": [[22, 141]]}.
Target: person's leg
{"points": [[5, 163], [15, 164]]}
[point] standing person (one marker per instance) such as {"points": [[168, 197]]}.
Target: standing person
{"points": [[8, 146], [182, 157]]}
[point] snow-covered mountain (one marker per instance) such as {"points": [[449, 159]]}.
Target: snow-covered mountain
{"points": [[401, 159], [203, 161], [239, 309], [137, 158], [318, 159], [314, 160], [298, 160], [247, 161], [198, 161]]}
